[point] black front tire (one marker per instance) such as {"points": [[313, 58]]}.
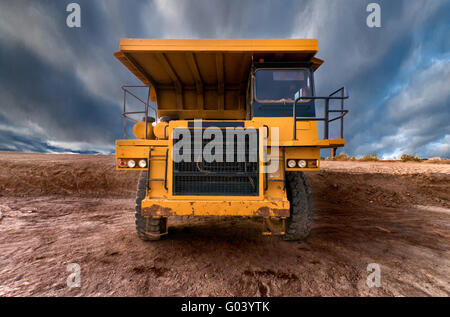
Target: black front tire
{"points": [[147, 228], [298, 225]]}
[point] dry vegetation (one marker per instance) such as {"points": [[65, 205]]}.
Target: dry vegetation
{"points": [[342, 157]]}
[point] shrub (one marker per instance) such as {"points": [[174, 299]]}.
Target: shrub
{"points": [[370, 157], [342, 157], [410, 158]]}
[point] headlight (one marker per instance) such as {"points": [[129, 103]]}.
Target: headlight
{"points": [[291, 163], [131, 163], [302, 164], [142, 163]]}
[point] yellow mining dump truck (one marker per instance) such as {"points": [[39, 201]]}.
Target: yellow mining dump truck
{"points": [[227, 128]]}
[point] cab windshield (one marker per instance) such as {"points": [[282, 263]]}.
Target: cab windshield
{"points": [[280, 85]]}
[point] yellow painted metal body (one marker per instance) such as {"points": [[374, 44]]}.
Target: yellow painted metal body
{"points": [[272, 201], [139, 130], [209, 80]]}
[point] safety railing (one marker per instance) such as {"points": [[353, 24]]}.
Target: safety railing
{"points": [[127, 90], [326, 119]]}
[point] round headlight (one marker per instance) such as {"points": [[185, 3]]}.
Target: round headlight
{"points": [[302, 164], [142, 163], [131, 163], [291, 163]]}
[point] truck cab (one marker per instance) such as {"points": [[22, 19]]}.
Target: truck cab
{"points": [[275, 86]]}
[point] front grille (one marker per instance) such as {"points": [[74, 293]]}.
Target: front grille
{"points": [[227, 178]]}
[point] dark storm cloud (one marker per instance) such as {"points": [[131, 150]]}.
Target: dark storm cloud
{"points": [[63, 82], [402, 103], [70, 112], [59, 87], [223, 19]]}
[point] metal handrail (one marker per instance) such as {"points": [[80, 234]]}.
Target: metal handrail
{"points": [[327, 111], [125, 114]]}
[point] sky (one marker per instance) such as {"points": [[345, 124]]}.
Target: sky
{"points": [[60, 86]]}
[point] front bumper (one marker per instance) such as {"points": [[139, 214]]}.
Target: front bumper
{"points": [[250, 208]]}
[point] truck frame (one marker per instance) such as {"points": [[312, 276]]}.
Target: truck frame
{"points": [[228, 128]]}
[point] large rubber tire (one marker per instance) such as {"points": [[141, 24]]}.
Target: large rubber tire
{"points": [[147, 228], [298, 225]]}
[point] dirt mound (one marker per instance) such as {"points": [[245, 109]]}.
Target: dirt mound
{"points": [[65, 174], [352, 183], [387, 190]]}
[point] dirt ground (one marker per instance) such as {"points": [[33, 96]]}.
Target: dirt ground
{"points": [[61, 209]]}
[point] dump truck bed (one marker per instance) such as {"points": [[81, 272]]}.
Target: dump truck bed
{"points": [[206, 78]]}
